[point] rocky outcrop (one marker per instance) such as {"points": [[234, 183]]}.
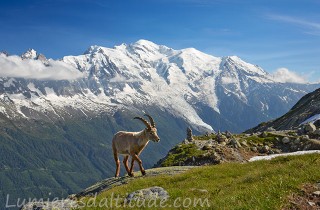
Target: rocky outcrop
{"points": [[308, 106]]}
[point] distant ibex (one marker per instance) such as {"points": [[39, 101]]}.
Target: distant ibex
{"points": [[132, 143]]}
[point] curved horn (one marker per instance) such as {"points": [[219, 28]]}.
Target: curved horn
{"points": [[144, 121], [153, 124]]}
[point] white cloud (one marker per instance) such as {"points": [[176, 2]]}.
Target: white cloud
{"points": [[285, 75], [14, 66], [310, 25]]}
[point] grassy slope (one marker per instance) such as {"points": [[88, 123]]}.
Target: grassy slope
{"points": [[256, 185]]}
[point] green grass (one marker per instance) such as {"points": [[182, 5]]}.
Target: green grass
{"points": [[181, 153], [256, 185], [269, 139], [205, 137]]}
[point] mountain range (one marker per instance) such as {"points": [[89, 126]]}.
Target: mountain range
{"points": [[58, 116]]}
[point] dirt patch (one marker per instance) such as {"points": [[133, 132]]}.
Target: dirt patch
{"points": [[307, 199]]}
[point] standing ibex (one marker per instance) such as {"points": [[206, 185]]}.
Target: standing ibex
{"points": [[132, 143]]}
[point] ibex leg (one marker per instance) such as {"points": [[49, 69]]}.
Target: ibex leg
{"points": [[116, 158], [131, 167], [125, 163], [143, 172]]}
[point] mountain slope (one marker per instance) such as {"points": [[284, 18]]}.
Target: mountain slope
{"points": [[306, 108]]}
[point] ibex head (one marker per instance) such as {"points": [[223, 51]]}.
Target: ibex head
{"points": [[151, 130]]}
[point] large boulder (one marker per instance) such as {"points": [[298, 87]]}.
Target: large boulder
{"points": [[285, 140], [151, 193], [310, 128]]}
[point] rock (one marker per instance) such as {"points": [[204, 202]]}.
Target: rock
{"points": [[277, 151], [244, 143], [221, 138], [264, 149], [297, 141], [264, 135], [185, 141], [151, 193], [223, 143], [270, 129], [189, 135], [66, 204], [235, 143], [305, 138], [316, 193], [228, 134], [310, 128], [311, 203], [271, 152], [285, 140], [293, 147], [206, 147], [254, 149]]}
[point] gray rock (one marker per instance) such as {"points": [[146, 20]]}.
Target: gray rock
{"points": [[305, 138], [189, 135], [235, 143], [285, 140], [264, 135], [244, 143], [297, 141], [310, 128], [316, 193], [223, 143], [265, 149], [150, 193], [254, 149], [206, 147], [228, 134], [270, 129], [311, 203], [185, 141]]}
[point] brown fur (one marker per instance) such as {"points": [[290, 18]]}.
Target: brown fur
{"points": [[132, 144]]}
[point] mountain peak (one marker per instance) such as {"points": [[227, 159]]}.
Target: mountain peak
{"points": [[242, 65], [144, 42], [92, 49], [29, 54]]}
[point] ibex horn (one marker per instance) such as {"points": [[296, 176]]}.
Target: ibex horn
{"points": [[153, 124], [144, 121]]}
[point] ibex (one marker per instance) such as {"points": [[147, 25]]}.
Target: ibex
{"points": [[132, 143]]}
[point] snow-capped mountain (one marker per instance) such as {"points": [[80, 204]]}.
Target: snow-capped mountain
{"points": [[207, 92], [58, 116]]}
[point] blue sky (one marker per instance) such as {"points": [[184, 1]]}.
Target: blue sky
{"points": [[270, 33]]}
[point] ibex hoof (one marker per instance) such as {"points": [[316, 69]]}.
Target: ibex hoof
{"points": [[143, 173], [131, 174]]}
